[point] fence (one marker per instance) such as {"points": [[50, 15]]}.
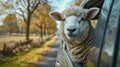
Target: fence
{"points": [[20, 46], [17, 47]]}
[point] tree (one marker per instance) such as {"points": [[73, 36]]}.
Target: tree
{"points": [[21, 25], [2, 29], [78, 2], [44, 21], [10, 23], [27, 8], [39, 24], [33, 28], [51, 25]]}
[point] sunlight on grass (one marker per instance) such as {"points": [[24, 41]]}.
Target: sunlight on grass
{"points": [[25, 58], [49, 43]]}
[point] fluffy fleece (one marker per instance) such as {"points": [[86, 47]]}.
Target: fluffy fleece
{"points": [[78, 46]]}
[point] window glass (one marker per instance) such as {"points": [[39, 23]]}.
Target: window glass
{"points": [[99, 31], [110, 36], [118, 58]]}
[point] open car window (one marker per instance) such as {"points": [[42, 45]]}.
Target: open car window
{"points": [[108, 42]]}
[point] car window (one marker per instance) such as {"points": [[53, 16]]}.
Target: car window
{"points": [[99, 32], [118, 53], [101, 25], [118, 58], [118, 50], [110, 36]]}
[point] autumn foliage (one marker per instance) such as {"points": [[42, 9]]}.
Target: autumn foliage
{"points": [[28, 20], [10, 24]]}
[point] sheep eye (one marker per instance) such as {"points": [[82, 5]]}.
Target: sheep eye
{"points": [[63, 19], [83, 19]]}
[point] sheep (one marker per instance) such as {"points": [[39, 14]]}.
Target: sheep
{"points": [[76, 30]]}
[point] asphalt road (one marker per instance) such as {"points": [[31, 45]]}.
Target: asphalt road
{"points": [[50, 58]]}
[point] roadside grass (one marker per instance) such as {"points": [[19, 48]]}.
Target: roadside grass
{"points": [[7, 38], [25, 58], [15, 38]]}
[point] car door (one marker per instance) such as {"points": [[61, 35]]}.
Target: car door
{"points": [[108, 47], [105, 35], [63, 59]]}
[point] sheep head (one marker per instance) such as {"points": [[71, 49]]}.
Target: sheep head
{"points": [[75, 19]]}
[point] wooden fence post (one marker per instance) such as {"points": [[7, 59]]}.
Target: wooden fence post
{"points": [[4, 48]]}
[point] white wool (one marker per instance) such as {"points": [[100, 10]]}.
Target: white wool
{"points": [[75, 18]]}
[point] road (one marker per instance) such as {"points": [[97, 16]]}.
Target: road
{"points": [[50, 58]]}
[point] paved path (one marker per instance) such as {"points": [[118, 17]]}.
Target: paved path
{"points": [[50, 57]]}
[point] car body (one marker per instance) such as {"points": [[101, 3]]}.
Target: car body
{"points": [[106, 38]]}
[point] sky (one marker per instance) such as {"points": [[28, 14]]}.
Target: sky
{"points": [[1, 10], [60, 5], [57, 5]]}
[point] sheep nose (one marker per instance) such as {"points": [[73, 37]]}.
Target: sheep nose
{"points": [[71, 30]]}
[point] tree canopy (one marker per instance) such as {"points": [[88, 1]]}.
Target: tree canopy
{"points": [[34, 15], [10, 23]]}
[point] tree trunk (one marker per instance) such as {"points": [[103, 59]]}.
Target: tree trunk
{"points": [[28, 20], [10, 32], [42, 32], [47, 31], [28, 29]]}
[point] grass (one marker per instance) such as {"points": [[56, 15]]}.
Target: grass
{"points": [[7, 38], [14, 38], [25, 58]]}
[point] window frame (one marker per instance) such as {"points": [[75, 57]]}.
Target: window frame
{"points": [[117, 44], [104, 32]]}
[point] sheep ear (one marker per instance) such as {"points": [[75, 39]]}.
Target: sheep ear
{"points": [[56, 16], [92, 12]]}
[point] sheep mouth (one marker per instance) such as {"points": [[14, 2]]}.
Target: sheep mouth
{"points": [[72, 35]]}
